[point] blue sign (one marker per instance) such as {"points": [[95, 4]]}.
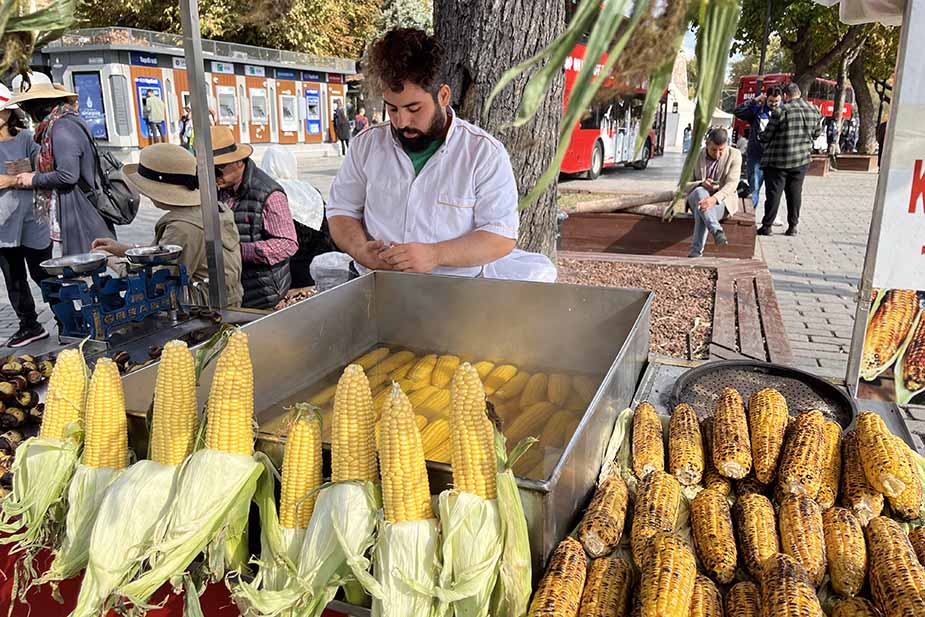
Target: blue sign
{"points": [[312, 111], [312, 76], [90, 103], [281, 74], [143, 85], [140, 59]]}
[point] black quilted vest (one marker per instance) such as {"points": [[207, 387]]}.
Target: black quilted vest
{"points": [[264, 286]]}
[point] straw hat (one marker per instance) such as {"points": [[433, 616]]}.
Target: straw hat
{"points": [[224, 147], [167, 174], [40, 88]]}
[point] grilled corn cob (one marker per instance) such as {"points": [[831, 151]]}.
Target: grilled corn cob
{"points": [[535, 391], [559, 591], [855, 607], [443, 371], [435, 437], [499, 376], [845, 550], [405, 487], [856, 492], [831, 465], [648, 441], [914, 359], [767, 423], [67, 388], [353, 437], [889, 327], [175, 414], [530, 421], [917, 539], [301, 472], [802, 536], [757, 531], [512, 388], [800, 471], [712, 478], [607, 589], [601, 527], [472, 438], [750, 484], [743, 600], [559, 429], [908, 504], [658, 499], [711, 523], [558, 388], [706, 601], [423, 370], [786, 589], [668, 574], [885, 466], [897, 579], [732, 451], [229, 427], [372, 358], [685, 446]]}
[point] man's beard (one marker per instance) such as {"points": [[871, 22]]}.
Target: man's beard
{"points": [[421, 141]]}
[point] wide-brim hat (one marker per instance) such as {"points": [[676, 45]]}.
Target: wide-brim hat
{"points": [[39, 88], [167, 174], [225, 148]]}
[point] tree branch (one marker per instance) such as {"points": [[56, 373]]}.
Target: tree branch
{"points": [[846, 42]]}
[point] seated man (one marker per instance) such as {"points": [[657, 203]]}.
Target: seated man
{"points": [[167, 175], [426, 192], [716, 177]]}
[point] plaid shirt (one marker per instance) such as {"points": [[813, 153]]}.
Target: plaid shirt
{"points": [[788, 138], [278, 228]]}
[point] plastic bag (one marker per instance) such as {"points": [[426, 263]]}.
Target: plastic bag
{"points": [[305, 201], [330, 270], [522, 266]]}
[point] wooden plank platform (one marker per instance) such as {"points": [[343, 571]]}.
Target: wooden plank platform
{"points": [[856, 162]]}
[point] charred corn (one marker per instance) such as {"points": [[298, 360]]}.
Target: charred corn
{"points": [[558, 388], [66, 397], [706, 601], [685, 446], [443, 371], [846, 551], [601, 527], [886, 468], [831, 465], [559, 591], [743, 600], [711, 523], [301, 472], [648, 441], [405, 487], [889, 327], [802, 536], [658, 499], [896, 576], [787, 590], [856, 492], [712, 478], [908, 504], [917, 539], [607, 589], [472, 437], [750, 484], [756, 529], [768, 417], [353, 437], [914, 359], [668, 574], [512, 388], [498, 377], [800, 471], [732, 451], [855, 607], [230, 423], [535, 391]]}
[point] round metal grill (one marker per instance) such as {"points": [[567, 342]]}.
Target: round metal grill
{"points": [[701, 387]]}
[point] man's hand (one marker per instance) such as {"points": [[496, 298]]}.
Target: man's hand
{"points": [[709, 184], [370, 255], [24, 180], [110, 246], [7, 181], [413, 257], [760, 99], [707, 202]]}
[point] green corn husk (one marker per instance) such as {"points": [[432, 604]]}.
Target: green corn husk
{"points": [[405, 564]]}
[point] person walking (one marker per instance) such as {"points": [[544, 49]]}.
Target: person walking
{"points": [[341, 127], [65, 166], [186, 129], [788, 142], [360, 122], [155, 116], [687, 139], [757, 112], [716, 177], [24, 238]]}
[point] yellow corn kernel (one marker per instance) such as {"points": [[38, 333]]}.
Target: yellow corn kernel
{"points": [[658, 500], [372, 358], [897, 579], [743, 600], [530, 421], [419, 397], [913, 369], [756, 529], [831, 465], [711, 522], [230, 420], [586, 387], [353, 445], [802, 536], [648, 442], [535, 391], [436, 405], [513, 388], [443, 371], [768, 417], [886, 468], [855, 607], [66, 397], [499, 376], [472, 436], [408, 387], [786, 589], [668, 574], [402, 371], [435, 438], [558, 388], [889, 327], [732, 450], [323, 397], [484, 368], [559, 429], [422, 371], [856, 492], [607, 589], [106, 438], [601, 527], [559, 591], [175, 416], [917, 539], [907, 505], [685, 446], [392, 363], [301, 470], [711, 478], [846, 551], [706, 600], [800, 471], [405, 486]]}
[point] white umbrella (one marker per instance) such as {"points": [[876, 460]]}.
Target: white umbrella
{"points": [[887, 12]]}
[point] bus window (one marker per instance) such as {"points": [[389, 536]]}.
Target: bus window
{"points": [[591, 119]]}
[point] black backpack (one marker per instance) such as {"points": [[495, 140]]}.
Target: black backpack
{"points": [[115, 199]]}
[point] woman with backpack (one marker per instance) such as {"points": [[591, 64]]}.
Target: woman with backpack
{"points": [[65, 166]]}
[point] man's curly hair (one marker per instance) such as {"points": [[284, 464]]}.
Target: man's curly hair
{"points": [[404, 55]]}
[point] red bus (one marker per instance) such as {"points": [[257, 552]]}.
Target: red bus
{"points": [[821, 94], [606, 135]]}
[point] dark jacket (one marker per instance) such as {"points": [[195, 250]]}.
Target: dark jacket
{"points": [[341, 124], [757, 117], [788, 138]]}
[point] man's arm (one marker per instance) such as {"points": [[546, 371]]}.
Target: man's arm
{"points": [[731, 181], [350, 237], [767, 135], [746, 111], [474, 249], [281, 242]]}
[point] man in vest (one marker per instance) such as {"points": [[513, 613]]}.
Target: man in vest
{"points": [[261, 211]]}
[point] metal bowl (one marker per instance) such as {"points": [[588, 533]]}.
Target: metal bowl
{"points": [[74, 265], [154, 255]]}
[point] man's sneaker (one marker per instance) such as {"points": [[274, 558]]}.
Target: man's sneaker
{"points": [[791, 231], [720, 238], [764, 231], [24, 336]]}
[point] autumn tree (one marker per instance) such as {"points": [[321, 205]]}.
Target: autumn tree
{"points": [[777, 60], [875, 61]]}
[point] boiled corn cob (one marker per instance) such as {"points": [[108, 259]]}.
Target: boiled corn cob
{"points": [[558, 388], [402, 371], [530, 421], [831, 465], [405, 486], [757, 531], [586, 387], [856, 492], [353, 437], [886, 468], [484, 368], [896, 576], [559, 591], [392, 363], [846, 551], [64, 402], [443, 371], [420, 396], [499, 376], [301, 472], [435, 438], [800, 471], [732, 451], [607, 589], [802, 536], [323, 397], [712, 478], [706, 601], [668, 574], [917, 539], [743, 600], [372, 358], [658, 499], [786, 589], [685, 446], [230, 418], [106, 436], [648, 441], [559, 429], [601, 527], [908, 504], [889, 327], [855, 607], [767, 422], [535, 391], [175, 414], [423, 370], [914, 359], [711, 523], [512, 388], [435, 406], [471, 436], [575, 401]]}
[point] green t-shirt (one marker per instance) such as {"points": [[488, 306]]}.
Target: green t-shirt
{"points": [[419, 159]]}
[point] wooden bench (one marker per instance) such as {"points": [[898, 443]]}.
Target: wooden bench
{"points": [[856, 162], [635, 234], [819, 165]]}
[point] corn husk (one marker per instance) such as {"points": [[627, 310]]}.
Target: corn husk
{"points": [[405, 565], [209, 513]]}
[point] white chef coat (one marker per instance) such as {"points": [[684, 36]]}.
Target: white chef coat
{"points": [[467, 185]]}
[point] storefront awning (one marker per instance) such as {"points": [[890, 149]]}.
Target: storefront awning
{"points": [[887, 12]]}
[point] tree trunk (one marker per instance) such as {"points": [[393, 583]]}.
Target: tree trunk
{"points": [[864, 104], [482, 40], [806, 67], [835, 148]]}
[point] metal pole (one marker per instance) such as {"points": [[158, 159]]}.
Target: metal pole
{"points": [[192, 45], [764, 49]]}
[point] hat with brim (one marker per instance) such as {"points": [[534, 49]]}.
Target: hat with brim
{"points": [[43, 91], [165, 173], [225, 148]]}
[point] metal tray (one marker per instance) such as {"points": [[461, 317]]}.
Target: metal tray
{"points": [[74, 265], [701, 387], [154, 255]]}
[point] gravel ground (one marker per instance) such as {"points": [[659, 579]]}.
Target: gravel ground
{"points": [[681, 296]]}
